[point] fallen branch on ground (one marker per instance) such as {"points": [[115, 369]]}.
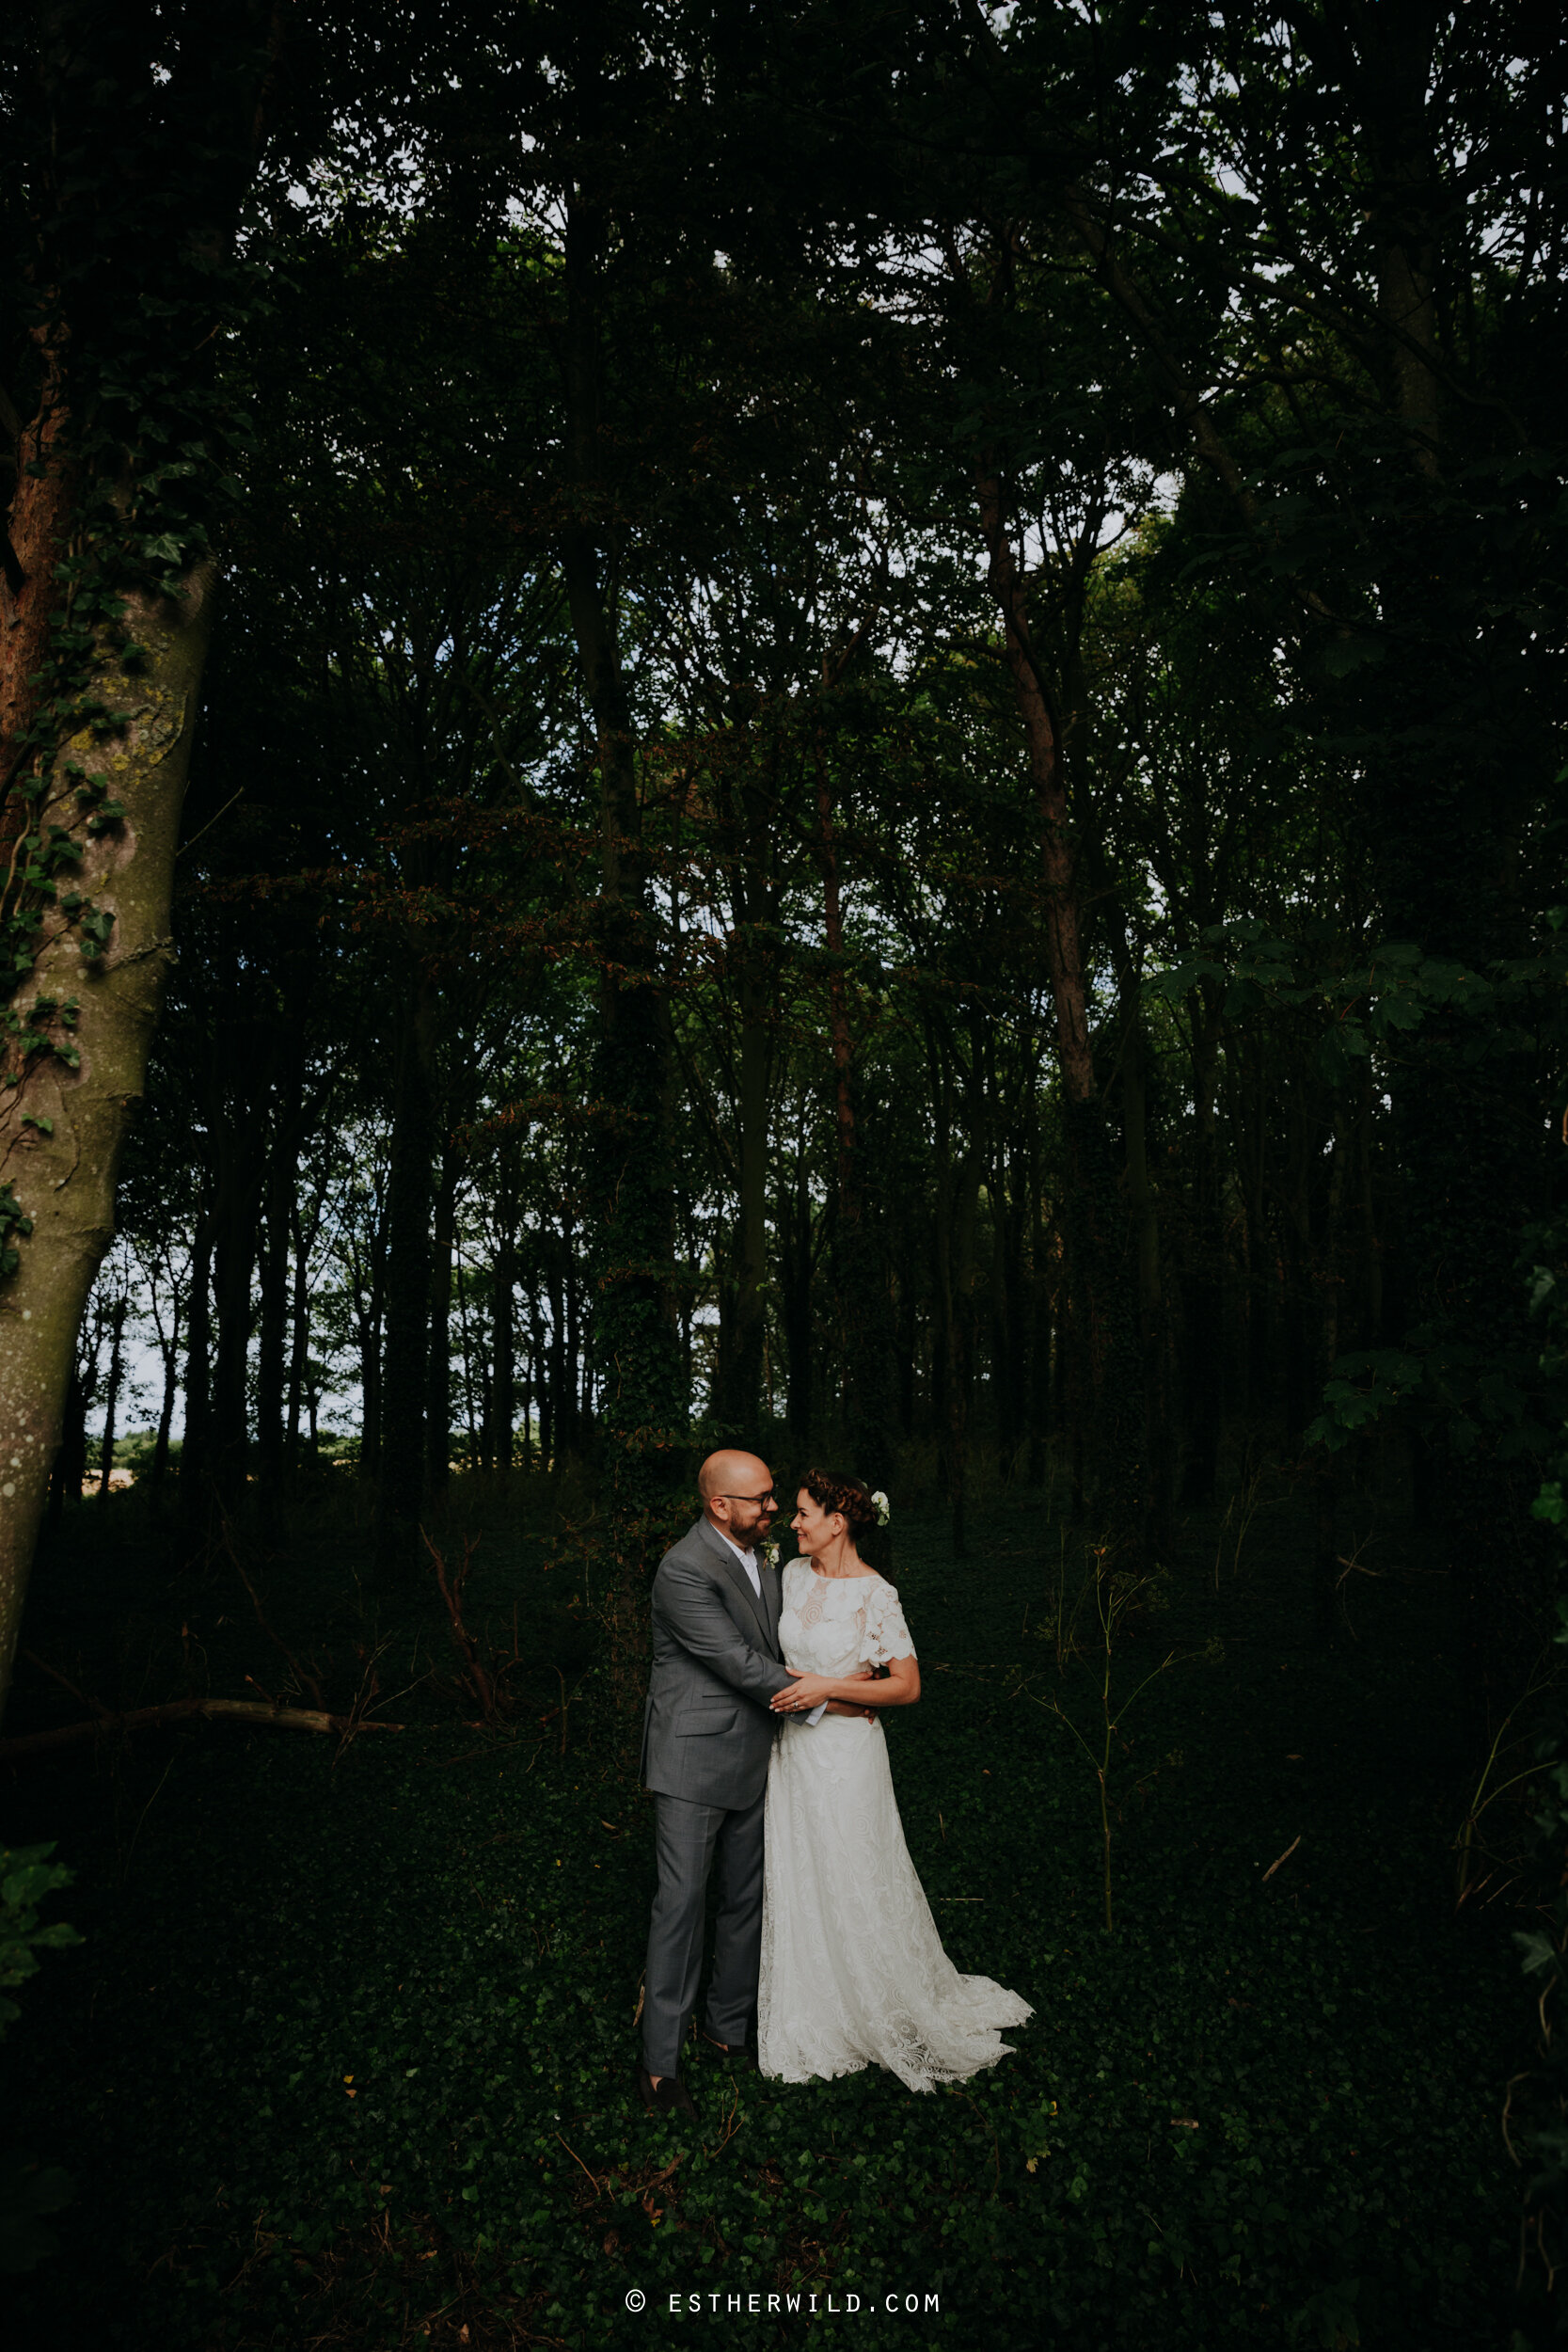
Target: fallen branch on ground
{"points": [[1284, 1857], [180, 1711]]}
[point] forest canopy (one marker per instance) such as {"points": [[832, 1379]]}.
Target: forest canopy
{"points": [[831, 726], [843, 722]]}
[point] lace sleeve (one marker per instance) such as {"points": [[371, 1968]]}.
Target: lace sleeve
{"points": [[887, 1636]]}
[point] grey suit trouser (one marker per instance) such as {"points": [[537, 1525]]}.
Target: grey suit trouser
{"points": [[688, 1839]]}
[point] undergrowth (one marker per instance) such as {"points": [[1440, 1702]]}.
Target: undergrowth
{"points": [[346, 2058]]}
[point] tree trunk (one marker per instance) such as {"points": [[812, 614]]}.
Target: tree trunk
{"points": [[757, 1055], [70, 1471], [401, 1464], [81, 1085], [1325, 1465], [271, 1401], [906, 1327], [943, 1340], [538, 1385], [863, 1309], [559, 1395], [1369, 1317], [470, 1372], [796, 1284], [169, 1350], [1144, 1219], [643, 1411], [960, 1370], [438, 1396], [368, 1319], [572, 1434], [499, 1436], [1042, 1350], [1203, 1334], [1094, 1221], [195, 1452], [233, 1263], [129, 207], [1006, 1302], [1025, 1316], [1260, 1285], [117, 1313], [299, 1336]]}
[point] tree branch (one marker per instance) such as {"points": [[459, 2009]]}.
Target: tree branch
{"points": [[182, 1711]]}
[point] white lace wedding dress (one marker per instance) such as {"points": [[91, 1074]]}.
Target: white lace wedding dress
{"points": [[853, 1971]]}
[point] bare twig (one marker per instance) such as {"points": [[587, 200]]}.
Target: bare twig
{"points": [[588, 2176], [1284, 1857], [486, 1683], [55, 1675], [125, 1859]]}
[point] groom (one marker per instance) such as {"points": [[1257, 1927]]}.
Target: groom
{"points": [[706, 1737]]}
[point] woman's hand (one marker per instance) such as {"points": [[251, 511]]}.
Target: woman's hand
{"points": [[809, 1691], [898, 1686]]}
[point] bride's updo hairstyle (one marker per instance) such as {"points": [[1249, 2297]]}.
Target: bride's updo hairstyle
{"points": [[831, 1490]]}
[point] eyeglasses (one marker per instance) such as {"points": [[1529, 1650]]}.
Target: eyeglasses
{"points": [[768, 1497]]}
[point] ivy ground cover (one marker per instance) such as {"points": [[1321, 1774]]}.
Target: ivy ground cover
{"points": [[346, 2057]]}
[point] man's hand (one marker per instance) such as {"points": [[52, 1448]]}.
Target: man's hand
{"points": [[847, 1707]]}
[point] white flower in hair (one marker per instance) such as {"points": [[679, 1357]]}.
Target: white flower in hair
{"points": [[883, 1509]]}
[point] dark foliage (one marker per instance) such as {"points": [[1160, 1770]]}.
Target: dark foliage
{"points": [[349, 2051]]}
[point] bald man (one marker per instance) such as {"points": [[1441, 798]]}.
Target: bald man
{"points": [[707, 1734]]}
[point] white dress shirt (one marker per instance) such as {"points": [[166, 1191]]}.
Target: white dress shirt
{"points": [[749, 1561]]}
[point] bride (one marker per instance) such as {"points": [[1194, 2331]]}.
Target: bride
{"points": [[852, 1967]]}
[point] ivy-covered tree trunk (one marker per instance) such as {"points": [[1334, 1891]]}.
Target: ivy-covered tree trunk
{"points": [[76, 1058], [133, 138]]}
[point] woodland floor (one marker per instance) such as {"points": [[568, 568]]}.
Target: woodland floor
{"points": [[346, 2057]]}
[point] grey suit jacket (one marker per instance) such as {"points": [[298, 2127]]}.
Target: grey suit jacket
{"points": [[706, 1730]]}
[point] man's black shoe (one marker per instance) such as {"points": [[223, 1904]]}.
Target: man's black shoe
{"points": [[668, 2096], [738, 2052]]}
